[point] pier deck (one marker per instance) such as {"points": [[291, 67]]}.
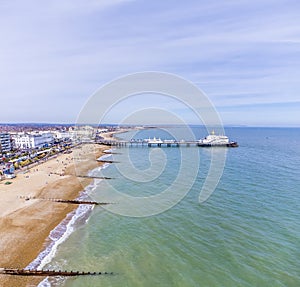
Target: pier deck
{"points": [[136, 143], [161, 143]]}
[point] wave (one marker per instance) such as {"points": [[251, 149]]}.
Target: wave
{"points": [[62, 231], [105, 156], [58, 235]]}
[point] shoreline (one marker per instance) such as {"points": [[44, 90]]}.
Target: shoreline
{"points": [[26, 225], [65, 229]]}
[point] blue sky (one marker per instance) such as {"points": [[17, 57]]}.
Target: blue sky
{"points": [[244, 55]]}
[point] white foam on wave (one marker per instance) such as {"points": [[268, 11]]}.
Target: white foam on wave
{"points": [[45, 283], [62, 231], [58, 235], [105, 165], [105, 156]]}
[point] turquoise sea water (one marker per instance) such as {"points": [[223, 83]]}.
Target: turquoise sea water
{"points": [[246, 234]]}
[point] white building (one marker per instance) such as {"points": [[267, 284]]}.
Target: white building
{"points": [[25, 140], [61, 135], [79, 134], [5, 143]]}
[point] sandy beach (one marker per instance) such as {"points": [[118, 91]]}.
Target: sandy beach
{"points": [[26, 224]]}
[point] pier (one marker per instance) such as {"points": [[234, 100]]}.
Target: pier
{"points": [[143, 143], [216, 142], [35, 272]]}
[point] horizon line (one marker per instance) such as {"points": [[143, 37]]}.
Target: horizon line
{"points": [[146, 125]]}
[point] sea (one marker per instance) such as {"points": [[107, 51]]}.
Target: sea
{"points": [[156, 231]]}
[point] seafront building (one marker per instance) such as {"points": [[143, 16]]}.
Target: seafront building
{"points": [[83, 133], [63, 135], [37, 136], [5, 142], [35, 140]]}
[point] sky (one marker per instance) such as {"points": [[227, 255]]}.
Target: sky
{"points": [[243, 55]]}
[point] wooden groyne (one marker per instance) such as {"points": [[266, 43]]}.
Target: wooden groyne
{"points": [[111, 152], [107, 161], [75, 201], [96, 177], [35, 272], [84, 176], [69, 201]]}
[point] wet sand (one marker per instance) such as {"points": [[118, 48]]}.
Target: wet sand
{"points": [[26, 224]]}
